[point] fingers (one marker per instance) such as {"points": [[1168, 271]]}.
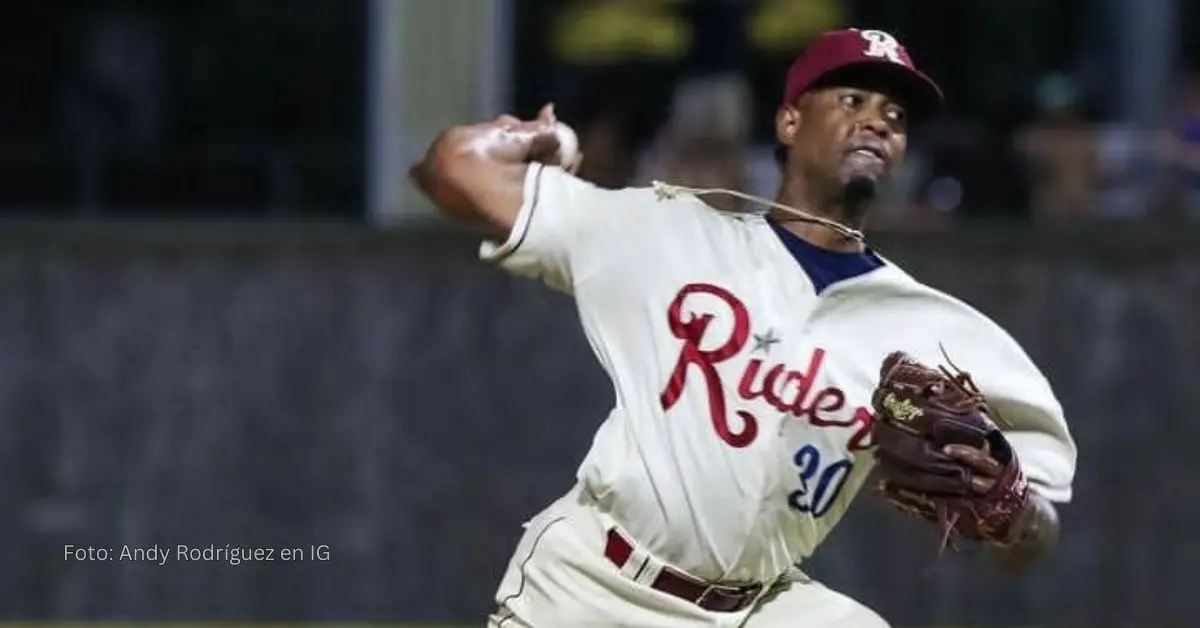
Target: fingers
{"points": [[976, 459], [546, 143], [920, 465], [986, 469], [574, 167], [545, 146], [925, 480], [536, 139], [911, 501], [982, 485], [545, 117], [545, 120]]}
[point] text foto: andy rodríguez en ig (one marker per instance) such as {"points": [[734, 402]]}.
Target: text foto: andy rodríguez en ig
{"points": [[162, 554]]}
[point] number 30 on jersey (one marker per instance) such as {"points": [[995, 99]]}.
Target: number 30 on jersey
{"points": [[820, 484]]}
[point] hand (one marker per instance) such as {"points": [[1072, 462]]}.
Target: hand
{"points": [[1036, 528], [986, 470], [508, 139], [463, 157], [1037, 531], [551, 150]]}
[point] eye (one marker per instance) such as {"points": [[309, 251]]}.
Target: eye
{"points": [[896, 114], [851, 100]]}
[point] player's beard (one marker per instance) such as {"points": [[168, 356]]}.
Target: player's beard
{"points": [[858, 193]]}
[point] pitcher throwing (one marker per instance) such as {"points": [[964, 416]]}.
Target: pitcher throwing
{"points": [[763, 363]]}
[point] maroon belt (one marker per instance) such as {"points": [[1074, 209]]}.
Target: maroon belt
{"points": [[710, 597]]}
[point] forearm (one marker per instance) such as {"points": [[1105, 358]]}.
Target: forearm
{"points": [[1036, 532]]}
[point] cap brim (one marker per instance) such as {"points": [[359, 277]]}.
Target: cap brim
{"points": [[919, 94]]}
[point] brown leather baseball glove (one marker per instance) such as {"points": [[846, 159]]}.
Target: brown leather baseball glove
{"points": [[942, 458]]}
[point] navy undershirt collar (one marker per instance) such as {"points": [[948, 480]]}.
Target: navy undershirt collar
{"points": [[825, 267]]}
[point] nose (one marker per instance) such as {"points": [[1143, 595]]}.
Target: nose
{"points": [[875, 124]]}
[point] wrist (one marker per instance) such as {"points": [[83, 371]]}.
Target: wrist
{"points": [[1034, 532]]}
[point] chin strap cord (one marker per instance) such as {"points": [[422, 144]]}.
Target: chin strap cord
{"points": [[667, 190]]}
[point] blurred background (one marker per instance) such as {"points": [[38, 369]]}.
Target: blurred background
{"points": [[228, 321]]}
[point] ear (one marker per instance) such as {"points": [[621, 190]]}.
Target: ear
{"points": [[787, 124]]}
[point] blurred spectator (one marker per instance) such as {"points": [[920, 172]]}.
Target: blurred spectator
{"points": [[701, 145], [114, 90], [915, 200], [1181, 149], [1060, 151], [632, 48], [703, 160], [713, 69], [604, 140], [609, 66], [776, 32], [620, 62]]}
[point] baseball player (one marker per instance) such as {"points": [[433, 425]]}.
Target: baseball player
{"points": [[764, 364]]}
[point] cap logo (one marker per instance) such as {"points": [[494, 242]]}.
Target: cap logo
{"points": [[881, 45]]}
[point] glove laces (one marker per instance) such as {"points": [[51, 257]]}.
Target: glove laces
{"points": [[965, 384], [670, 191]]}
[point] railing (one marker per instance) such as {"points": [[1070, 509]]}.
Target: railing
{"points": [[239, 178]]}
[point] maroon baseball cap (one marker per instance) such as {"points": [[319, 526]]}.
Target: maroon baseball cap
{"points": [[873, 51]]}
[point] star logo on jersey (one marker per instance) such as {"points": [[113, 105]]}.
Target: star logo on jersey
{"points": [[763, 342]]}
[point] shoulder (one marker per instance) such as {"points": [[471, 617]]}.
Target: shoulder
{"points": [[893, 282], [551, 185], [569, 229], [933, 319], [660, 207]]}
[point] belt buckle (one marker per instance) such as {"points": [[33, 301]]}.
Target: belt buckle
{"points": [[742, 593], [704, 596], [729, 590]]}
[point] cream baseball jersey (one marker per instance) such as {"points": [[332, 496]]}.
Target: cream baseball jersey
{"points": [[741, 426]]}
